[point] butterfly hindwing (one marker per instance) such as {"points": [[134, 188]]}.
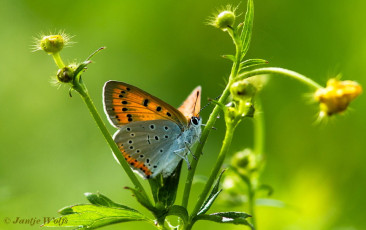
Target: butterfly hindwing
{"points": [[125, 104], [148, 145]]}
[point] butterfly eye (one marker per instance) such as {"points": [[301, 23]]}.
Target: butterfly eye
{"points": [[194, 120]]}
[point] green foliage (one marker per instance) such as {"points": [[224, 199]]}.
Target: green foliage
{"points": [[99, 199], [101, 212], [227, 218], [246, 33], [251, 63], [164, 190], [212, 197]]}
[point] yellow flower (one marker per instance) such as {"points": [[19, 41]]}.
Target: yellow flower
{"points": [[336, 97]]}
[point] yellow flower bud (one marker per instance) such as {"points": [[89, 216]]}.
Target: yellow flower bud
{"points": [[52, 44], [337, 95]]}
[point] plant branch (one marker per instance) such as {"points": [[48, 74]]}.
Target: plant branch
{"points": [[259, 127], [215, 171], [285, 72], [81, 89]]}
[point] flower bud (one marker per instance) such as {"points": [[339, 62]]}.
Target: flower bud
{"points": [[337, 95], [225, 20], [242, 90], [245, 162], [52, 43], [66, 74]]}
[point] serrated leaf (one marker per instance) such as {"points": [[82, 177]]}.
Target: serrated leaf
{"points": [[251, 62], [92, 216], [226, 218], [65, 211], [246, 32], [100, 199], [229, 57], [212, 197]]}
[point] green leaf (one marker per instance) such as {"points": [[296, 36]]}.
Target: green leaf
{"points": [[141, 199], [92, 216], [99, 199], [251, 62], [209, 202], [164, 190], [229, 57], [246, 32], [226, 218], [212, 197]]}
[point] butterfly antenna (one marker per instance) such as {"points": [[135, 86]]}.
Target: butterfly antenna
{"points": [[208, 104]]}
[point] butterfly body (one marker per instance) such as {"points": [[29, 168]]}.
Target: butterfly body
{"points": [[153, 136]]}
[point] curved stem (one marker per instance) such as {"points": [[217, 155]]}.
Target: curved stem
{"points": [[57, 58], [215, 171], [81, 89], [286, 72]]}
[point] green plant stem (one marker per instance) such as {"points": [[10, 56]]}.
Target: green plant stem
{"points": [[212, 118], [198, 153], [259, 139], [259, 127], [215, 171], [281, 71], [57, 58], [251, 204], [81, 89]]}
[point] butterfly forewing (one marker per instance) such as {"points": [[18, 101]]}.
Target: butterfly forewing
{"points": [[148, 145], [191, 106], [125, 104]]}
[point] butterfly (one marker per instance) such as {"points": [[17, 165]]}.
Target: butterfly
{"points": [[152, 135]]}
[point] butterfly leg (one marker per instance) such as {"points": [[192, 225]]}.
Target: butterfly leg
{"points": [[189, 149], [211, 127], [185, 158]]}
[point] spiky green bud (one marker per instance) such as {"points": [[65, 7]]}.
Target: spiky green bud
{"points": [[66, 74], [225, 20], [52, 43]]}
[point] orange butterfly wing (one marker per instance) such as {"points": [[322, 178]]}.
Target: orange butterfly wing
{"points": [[125, 103], [192, 105]]}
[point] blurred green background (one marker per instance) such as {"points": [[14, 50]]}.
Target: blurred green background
{"points": [[52, 152]]}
